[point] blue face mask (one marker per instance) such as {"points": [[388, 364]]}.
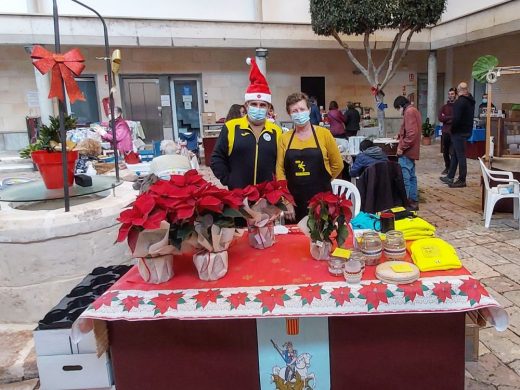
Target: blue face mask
{"points": [[256, 114], [301, 118], [484, 100]]}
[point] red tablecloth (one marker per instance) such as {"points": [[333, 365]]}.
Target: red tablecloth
{"points": [[285, 281]]}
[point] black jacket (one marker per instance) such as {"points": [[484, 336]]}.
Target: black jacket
{"points": [[381, 187], [239, 159], [463, 112], [352, 119]]}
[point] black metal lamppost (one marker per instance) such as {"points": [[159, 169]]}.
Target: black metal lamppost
{"points": [[61, 105]]}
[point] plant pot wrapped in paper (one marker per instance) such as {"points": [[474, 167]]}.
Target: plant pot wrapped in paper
{"points": [[191, 206], [328, 213], [260, 226], [212, 261], [263, 204], [154, 254]]}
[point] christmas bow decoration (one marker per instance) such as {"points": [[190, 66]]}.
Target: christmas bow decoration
{"points": [[64, 67]]}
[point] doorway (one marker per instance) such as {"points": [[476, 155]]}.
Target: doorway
{"points": [[186, 98], [422, 95], [142, 102], [314, 86]]}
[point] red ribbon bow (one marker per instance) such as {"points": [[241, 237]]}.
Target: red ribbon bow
{"points": [[64, 67]]}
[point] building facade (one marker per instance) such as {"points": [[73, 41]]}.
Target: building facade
{"points": [[181, 59]]}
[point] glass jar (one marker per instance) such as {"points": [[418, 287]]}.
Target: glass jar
{"points": [[371, 247], [336, 265], [394, 245], [353, 269]]}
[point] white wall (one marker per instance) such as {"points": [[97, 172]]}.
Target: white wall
{"points": [[236, 10], [458, 8]]}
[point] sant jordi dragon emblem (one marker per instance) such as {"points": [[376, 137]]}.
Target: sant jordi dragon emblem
{"points": [[295, 375]]}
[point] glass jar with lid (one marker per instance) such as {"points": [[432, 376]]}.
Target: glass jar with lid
{"points": [[394, 245], [371, 247]]}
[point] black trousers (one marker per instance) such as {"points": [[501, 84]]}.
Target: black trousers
{"points": [[458, 156], [446, 146]]}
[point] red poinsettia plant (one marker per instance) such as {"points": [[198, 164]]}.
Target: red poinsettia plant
{"points": [[183, 201], [275, 192], [329, 213]]}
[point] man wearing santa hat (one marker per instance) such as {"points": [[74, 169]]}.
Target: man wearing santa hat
{"points": [[245, 152]]}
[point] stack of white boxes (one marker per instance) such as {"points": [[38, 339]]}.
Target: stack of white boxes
{"points": [[65, 365]]}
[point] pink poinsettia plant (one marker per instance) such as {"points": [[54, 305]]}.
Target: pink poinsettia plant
{"points": [[184, 201], [329, 213]]}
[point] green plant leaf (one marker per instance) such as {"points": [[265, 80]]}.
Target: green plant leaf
{"points": [[482, 66], [342, 234]]}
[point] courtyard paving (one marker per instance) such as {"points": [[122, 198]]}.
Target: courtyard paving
{"points": [[492, 255]]}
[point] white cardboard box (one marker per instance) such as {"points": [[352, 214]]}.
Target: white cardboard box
{"points": [[57, 342], [81, 371]]}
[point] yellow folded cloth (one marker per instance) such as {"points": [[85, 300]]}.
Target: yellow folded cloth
{"points": [[415, 228], [434, 254]]}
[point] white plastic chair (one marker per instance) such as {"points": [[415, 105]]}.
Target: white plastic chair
{"points": [[509, 188], [340, 187]]}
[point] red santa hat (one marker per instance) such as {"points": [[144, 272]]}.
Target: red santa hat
{"points": [[258, 88]]}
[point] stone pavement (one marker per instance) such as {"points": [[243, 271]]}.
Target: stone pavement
{"points": [[492, 255]]}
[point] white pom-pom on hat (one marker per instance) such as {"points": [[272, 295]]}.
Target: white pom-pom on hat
{"points": [[248, 60]]}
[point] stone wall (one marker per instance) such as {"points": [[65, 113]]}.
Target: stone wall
{"points": [[47, 252], [224, 74]]}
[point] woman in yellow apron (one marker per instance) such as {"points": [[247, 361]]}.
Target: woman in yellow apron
{"points": [[308, 156]]}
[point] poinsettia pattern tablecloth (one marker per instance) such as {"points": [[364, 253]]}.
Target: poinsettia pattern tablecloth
{"points": [[284, 281]]}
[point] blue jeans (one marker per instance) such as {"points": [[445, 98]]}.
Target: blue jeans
{"points": [[409, 178]]}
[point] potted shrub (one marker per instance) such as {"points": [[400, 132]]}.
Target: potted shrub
{"points": [[46, 153], [427, 132]]}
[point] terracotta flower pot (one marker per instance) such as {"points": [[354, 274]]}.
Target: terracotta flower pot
{"points": [[426, 141], [50, 167]]}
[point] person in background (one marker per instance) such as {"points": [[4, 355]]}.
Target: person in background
{"points": [[352, 120], [245, 152], [409, 147], [483, 106], [445, 117], [461, 128], [370, 155], [315, 111], [235, 111], [123, 133], [171, 162], [336, 120], [271, 115], [308, 156]]}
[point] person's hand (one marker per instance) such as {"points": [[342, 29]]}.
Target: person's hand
{"points": [[399, 152], [289, 215], [100, 131]]}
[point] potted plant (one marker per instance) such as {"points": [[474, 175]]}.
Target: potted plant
{"points": [[328, 214], [427, 132], [46, 153], [200, 215], [263, 204]]}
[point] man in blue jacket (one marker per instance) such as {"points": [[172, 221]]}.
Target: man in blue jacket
{"points": [[370, 155]]}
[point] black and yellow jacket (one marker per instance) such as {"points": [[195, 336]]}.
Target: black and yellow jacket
{"points": [[239, 159]]}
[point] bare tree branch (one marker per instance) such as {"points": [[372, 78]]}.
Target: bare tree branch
{"points": [[395, 49], [401, 56], [396, 41], [350, 55], [370, 64]]}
